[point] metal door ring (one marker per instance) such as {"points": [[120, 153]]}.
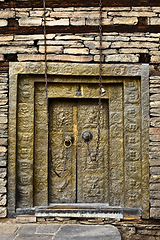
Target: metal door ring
{"points": [[67, 143], [68, 140]]}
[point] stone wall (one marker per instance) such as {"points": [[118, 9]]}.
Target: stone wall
{"points": [[155, 146], [80, 16], [3, 142], [117, 47], [137, 47]]}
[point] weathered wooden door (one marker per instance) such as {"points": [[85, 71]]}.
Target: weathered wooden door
{"points": [[83, 180]]}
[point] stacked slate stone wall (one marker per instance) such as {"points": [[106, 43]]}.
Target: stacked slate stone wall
{"points": [[118, 47], [3, 142]]}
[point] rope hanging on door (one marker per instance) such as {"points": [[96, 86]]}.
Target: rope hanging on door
{"points": [[100, 88], [47, 106], [100, 92]]}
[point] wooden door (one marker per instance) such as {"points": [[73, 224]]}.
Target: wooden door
{"points": [[83, 180]]}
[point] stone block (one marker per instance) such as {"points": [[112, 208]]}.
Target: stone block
{"points": [[154, 21], [95, 44], [154, 130], [70, 58], [154, 148], [76, 50], [148, 232], [22, 14], [155, 203], [142, 9], [3, 120], [120, 44], [7, 229], [155, 59], [1, 57], [155, 104], [155, 111], [77, 21], [3, 149], [18, 43], [132, 14], [125, 20], [3, 102], [92, 22], [119, 9], [70, 43], [17, 49], [154, 53], [113, 38], [155, 186], [3, 142], [3, 172], [86, 8], [107, 21], [3, 199], [3, 23], [38, 13], [122, 58], [3, 163], [97, 58], [95, 21], [133, 50], [3, 212], [51, 49], [30, 57], [34, 37], [7, 14], [54, 57], [40, 219], [28, 21], [155, 195], [156, 9], [155, 121], [105, 52], [155, 170], [154, 155], [26, 219], [75, 37], [145, 39], [61, 15], [66, 9], [24, 9], [3, 190], [59, 22], [3, 182]]}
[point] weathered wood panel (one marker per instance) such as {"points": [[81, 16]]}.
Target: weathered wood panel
{"points": [[4, 67], [79, 29], [80, 3]]}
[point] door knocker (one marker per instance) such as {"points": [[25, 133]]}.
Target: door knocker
{"points": [[68, 140]]}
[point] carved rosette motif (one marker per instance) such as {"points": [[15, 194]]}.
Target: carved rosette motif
{"points": [[116, 145], [25, 128], [132, 143]]}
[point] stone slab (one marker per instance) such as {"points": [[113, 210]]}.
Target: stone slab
{"points": [[32, 237], [8, 229], [7, 236], [25, 229], [59, 232], [51, 229], [76, 232]]}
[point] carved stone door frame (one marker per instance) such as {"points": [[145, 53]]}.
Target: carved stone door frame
{"points": [[78, 69]]}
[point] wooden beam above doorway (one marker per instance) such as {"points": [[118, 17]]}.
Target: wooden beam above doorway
{"points": [[80, 3]]}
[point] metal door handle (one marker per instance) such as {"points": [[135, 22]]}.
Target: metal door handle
{"points": [[87, 136], [68, 140]]}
